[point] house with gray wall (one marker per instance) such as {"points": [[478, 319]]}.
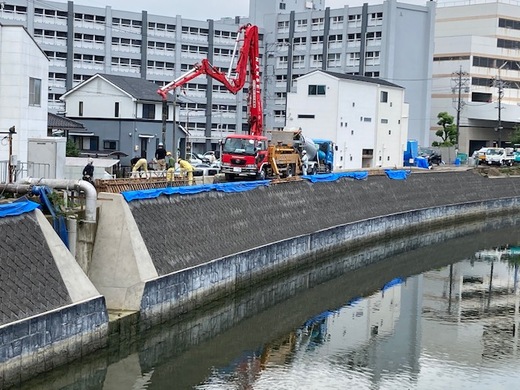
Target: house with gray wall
{"points": [[121, 114]]}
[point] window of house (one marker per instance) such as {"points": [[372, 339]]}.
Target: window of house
{"points": [[282, 5], [109, 144], [316, 90], [116, 109], [384, 97], [148, 111], [80, 109], [35, 92]]}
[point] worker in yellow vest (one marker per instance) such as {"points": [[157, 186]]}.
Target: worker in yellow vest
{"points": [[186, 167]]}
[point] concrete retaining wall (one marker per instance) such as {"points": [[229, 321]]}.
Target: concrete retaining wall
{"points": [[182, 291]]}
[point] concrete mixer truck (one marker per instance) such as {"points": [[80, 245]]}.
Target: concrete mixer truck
{"points": [[283, 157]]}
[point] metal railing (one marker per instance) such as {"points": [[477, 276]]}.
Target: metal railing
{"points": [[22, 170]]}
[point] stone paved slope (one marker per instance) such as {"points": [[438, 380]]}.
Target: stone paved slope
{"points": [[30, 282], [183, 231]]}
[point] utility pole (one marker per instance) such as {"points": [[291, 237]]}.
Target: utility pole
{"points": [[500, 85], [460, 81], [12, 130]]}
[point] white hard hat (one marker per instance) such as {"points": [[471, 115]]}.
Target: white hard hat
{"points": [[90, 160], [160, 144], [304, 152]]}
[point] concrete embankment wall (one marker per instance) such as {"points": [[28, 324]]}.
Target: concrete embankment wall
{"points": [[207, 244], [50, 312]]}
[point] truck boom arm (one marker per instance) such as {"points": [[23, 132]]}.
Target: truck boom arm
{"points": [[248, 54]]}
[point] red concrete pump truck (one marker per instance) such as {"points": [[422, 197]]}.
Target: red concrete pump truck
{"points": [[246, 155]]}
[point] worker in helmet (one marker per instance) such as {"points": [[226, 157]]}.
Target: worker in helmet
{"points": [[138, 164], [88, 171], [186, 167], [305, 162], [160, 155]]}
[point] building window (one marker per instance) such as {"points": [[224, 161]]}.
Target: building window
{"points": [[316, 90], [109, 144], [282, 5], [305, 116], [116, 109], [384, 121], [35, 92], [80, 109], [148, 111], [384, 97]]}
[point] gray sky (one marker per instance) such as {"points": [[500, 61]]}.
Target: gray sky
{"points": [[203, 9]]}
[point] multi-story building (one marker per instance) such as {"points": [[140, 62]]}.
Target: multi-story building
{"points": [[476, 72], [392, 41], [23, 82], [372, 115]]}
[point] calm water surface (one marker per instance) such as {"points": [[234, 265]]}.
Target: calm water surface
{"points": [[440, 316]]}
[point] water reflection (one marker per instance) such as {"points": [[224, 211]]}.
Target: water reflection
{"points": [[379, 327], [452, 327]]}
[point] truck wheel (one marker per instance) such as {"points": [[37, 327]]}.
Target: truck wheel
{"points": [[229, 177]]}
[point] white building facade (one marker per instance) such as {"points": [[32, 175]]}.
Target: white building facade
{"points": [[476, 72], [366, 118], [23, 81]]}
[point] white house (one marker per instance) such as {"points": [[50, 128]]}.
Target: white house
{"points": [[366, 117], [24, 70]]}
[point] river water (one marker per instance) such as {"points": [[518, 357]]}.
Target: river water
{"points": [[439, 311]]}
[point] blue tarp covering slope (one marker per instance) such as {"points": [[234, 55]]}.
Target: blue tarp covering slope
{"points": [[17, 208], [187, 190], [335, 176], [397, 175]]}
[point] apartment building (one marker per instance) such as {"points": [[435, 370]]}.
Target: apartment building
{"points": [[81, 41], [476, 72], [391, 40]]}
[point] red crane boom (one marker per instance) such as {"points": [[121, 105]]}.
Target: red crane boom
{"points": [[248, 54]]}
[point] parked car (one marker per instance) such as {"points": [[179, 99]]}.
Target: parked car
{"points": [[211, 156], [205, 170], [500, 156], [480, 155], [433, 156], [193, 159]]}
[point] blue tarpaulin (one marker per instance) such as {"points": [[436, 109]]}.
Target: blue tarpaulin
{"points": [[397, 175], [422, 162], [187, 190], [335, 176], [17, 208]]}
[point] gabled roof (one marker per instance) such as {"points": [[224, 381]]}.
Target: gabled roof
{"points": [[60, 122], [365, 79], [135, 87]]}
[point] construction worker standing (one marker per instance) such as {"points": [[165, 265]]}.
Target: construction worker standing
{"points": [[305, 162], [186, 167]]}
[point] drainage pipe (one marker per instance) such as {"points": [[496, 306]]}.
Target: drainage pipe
{"points": [[64, 184], [15, 188]]}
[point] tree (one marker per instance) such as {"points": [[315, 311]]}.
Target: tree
{"points": [[515, 137], [448, 133], [71, 149]]}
